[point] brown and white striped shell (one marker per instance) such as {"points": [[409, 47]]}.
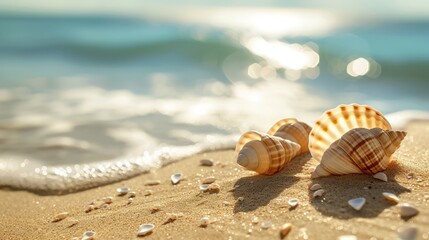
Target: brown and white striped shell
{"points": [[360, 150], [293, 130], [264, 153], [334, 123]]}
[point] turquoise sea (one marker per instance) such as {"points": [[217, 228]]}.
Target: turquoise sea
{"points": [[90, 97]]}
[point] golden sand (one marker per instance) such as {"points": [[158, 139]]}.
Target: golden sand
{"points": [[25, 215]]}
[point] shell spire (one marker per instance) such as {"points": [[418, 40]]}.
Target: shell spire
{"points": [[293, 130], [360, 150], [263, 153]]}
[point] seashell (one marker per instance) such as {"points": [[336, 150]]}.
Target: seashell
{"points": [[209, 180], [391, 197], [357, 203], [407, 210], [88, 235], [315, 187], [360, 150], [204, 187], [292, 130], [122, 191], [380, 176], [263, 153], [334, 123], [145, 229], [285, 229], [293, 202], [175, 178], [318, 193]]}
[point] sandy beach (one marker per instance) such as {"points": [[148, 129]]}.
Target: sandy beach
{"points": [[26, 215]]}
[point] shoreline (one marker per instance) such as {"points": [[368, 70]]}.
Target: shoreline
{"points": [[26, 215]]}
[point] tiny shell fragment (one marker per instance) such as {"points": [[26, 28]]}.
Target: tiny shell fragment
{"points": [[266, 224], [380, 176], [204, 222], [318, 193], [175, 178], [122, 191], [407, 210], [357, 203], [209, 180], [108, 200], [145, 229], [240, 199], [152, 182], [204, 187], [88, 235], [60, 216], [293, 202], [132, 194], [206, 162], [285, 229], [391, 197], [315, 187]]}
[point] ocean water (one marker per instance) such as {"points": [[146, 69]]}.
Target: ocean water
{"points": [[89, 99]]}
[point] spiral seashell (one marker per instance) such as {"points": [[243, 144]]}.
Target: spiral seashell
{"points": [[293, 130], [360, 150], [334, 123], [263, 153]]}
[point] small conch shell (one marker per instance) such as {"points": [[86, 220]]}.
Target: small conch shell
{"points": [[334, 123], [292, 130], [360, 150], [264, 153]]}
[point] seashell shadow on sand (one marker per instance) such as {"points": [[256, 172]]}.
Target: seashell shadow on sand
{"points": [[268, 187], [334, 201]]}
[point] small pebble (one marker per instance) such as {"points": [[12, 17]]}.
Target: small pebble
{"points": [[285, 229], [122, 191], [407, 210], [410, 175], [318, 193], [88, 235], [148, 192], [155, 209], [204, 222], [89, 208], [226, 203], [408, 233], [130, 200], [357, 203], [108, 200], [293, 202], [145, 229], [391, 197], [209, 180], [204, 187], [60, 216], [104, 205], [206, 162], [240, 199], [132, 194], [315, 187], [347, 237], [266, 224], [255, 220], [152, 182], [72, 222], [172, 217], [214, 187], [175, 178], [380, 176]]}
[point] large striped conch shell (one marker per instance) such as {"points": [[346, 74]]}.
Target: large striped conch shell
{"points": [[269, 153], [350, 139], [293, 130], [264, 153]]}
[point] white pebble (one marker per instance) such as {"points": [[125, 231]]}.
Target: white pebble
{"points": [[226, 203], [357, 203], [240, 199], [255, 220], [318, 193], [204, 187], [293, 202], [315, 187], [380, 176], [391, 197], [60, 216], [145, 229], [407, 210], [266, 224], [204, 222], [130, 200], [408, 233], [132, 194], [88, 235], [122, 191], [209, 180], [175, 178], [206, 162]]}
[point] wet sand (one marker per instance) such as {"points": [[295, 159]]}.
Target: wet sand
{"points": [[26, 215]]}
